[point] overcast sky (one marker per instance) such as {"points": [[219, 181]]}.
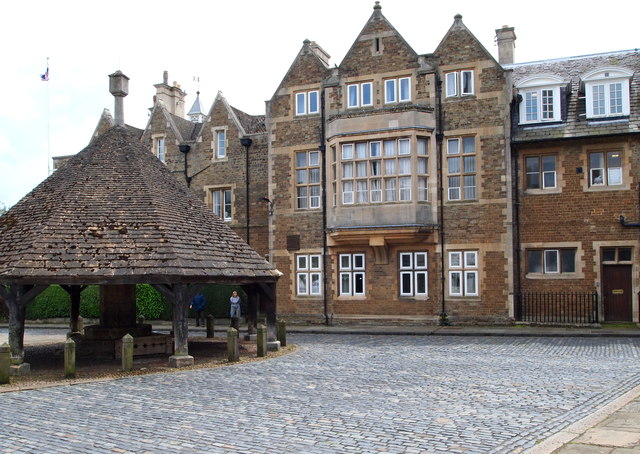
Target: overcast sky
{"points": [[242, 48]]}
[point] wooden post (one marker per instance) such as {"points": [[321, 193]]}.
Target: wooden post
{"points": [[262, 341], [282, 333], [127, 352], [69, 359], [210, 332], [233, 349], [5, 363]]}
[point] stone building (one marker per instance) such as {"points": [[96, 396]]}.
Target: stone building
{"points": [[426, 187], [576, 144]]}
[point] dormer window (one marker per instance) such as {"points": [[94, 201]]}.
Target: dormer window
{"points": [[607, 92], [540, 99]]}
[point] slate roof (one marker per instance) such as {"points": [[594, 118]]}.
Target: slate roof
{"points": [[575, 124], [188, 130], [252, 124], [114, 214]]}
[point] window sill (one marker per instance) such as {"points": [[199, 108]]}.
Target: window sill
{"points": [[553, 276], [606, 188], [547, 191], [609, 118], [537, 124]]}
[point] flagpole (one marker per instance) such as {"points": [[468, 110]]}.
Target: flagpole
{"points": [[48, 125]]}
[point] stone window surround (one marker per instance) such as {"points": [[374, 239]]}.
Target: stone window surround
{"points": [[308, 185], [214, 143], [156, 138], [309, 271], [458, 80], [462, 173], [413, 271], [463, 269], [208, 196], [306, 95], [353, 272], [579, 257], [585, 154], [559, 171]]}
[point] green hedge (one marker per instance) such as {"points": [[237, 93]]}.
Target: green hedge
{"points": [[54, 302]]}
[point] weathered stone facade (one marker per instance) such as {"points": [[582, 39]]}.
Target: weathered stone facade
{"points": [[394, 185]]}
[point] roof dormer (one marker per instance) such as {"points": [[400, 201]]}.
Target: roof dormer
{"points": [[606, 92], [540, 98]]}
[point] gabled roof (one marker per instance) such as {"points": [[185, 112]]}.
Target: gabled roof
{"points": [[246, 123], [187, 130], [114, 214], [459, 45], [309, 66], [360, 58]]}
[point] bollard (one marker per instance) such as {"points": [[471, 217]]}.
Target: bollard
{"points": [[282, 333], [69, 359], [262, 341], [5, 363], [80, 325], [127, 352], [233, 349], [210, 326]]}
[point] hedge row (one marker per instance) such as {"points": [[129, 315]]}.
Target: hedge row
{"points": [[55, 302]]}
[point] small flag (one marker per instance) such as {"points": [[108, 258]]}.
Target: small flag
{"points": [[45, 77]]}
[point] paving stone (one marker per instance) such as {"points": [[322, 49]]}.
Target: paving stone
{"points": [[338, 393]]}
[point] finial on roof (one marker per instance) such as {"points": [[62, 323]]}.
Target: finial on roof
{"points": [[306, 42], [165, 77], [377, 6], [119, 88], [458, 17]]}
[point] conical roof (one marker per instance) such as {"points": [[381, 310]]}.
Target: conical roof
{"points": [[114, 214]]}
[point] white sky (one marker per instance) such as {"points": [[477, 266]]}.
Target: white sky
{"points": [[242, 48]]}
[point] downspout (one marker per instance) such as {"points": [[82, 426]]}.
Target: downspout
{"points": [[516, 225], [444, 319], [246, 143], [323, 180]]}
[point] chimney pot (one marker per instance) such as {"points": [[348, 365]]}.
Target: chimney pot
{"points": [[506, 40]]}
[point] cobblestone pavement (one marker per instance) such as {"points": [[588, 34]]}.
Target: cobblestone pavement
{"points": [[336, 394]]}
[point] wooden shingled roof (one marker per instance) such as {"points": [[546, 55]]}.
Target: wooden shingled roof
{"points": [[114, 214]]}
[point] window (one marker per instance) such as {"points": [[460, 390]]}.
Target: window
{"points": [[413, 274], [308, 274], [159, 148], [605, 168], [307, 103], [461, 167], [352, 274], [308, 179], [360, 95], [222, 203], [463, 273], [540, 172], [397, 90], [607, 92], [383, 171], [459, 83], [551, 261], [221, 144], [616, 255]]}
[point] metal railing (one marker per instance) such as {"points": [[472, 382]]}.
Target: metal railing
{"points": [[557, 307]]}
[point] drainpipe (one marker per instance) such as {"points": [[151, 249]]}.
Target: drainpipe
{"points": [[246, 143], [323, 180], [444, 319], [516, 226]]}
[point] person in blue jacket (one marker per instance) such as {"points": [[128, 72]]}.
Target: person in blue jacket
{"points": [[197, 305]]}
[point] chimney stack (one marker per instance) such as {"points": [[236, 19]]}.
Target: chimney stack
{"points": [[506, 39], [119, 88]]}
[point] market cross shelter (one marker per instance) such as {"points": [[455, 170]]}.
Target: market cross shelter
{"points": [[115, 216]]}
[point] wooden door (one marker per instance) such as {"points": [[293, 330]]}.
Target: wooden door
{"points": [[616, 293]]}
